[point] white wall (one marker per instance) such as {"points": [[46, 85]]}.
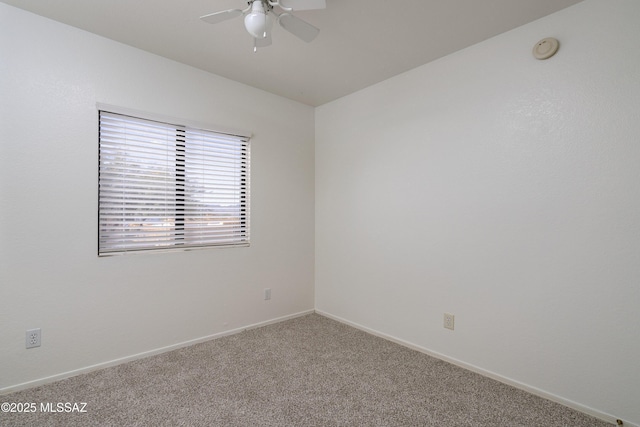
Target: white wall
{"points": [[95, 310], [504, 190]]}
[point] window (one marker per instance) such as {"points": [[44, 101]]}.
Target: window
{"points": [[164, 186]]}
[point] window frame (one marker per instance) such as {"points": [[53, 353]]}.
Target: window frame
{"points": [[179, 242]]}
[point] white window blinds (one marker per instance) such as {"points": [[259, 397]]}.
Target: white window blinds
{"points": [[163, 186]]}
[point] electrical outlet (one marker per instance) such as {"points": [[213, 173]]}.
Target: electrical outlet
{"points": [[267, 294], [449, 321], [33, 338]]}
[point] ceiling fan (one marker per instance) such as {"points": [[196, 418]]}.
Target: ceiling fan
{"points": [[260, 15]]}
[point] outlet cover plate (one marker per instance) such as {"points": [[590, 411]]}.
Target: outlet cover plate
{"points": [[449, 321], [33, 338]]}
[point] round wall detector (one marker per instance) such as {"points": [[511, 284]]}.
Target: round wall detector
{"points": [[546, 48]]}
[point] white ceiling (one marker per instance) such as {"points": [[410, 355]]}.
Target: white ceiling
{"points": [[361, 42]]}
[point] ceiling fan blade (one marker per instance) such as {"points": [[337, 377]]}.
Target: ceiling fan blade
{"points": [[214, 18], [304, 4], [298, 27]]}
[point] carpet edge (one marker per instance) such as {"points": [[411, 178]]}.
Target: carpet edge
{"points": [[603, 416], [149, 353]]}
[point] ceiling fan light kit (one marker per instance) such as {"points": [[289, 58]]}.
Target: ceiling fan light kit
{"points": [[260, 15], [257, 22]]}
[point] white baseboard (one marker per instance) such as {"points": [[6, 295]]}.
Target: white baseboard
{"points": [[533, 390], [87, 369]]}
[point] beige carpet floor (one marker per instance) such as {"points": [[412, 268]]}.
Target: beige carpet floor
{"points": [[308, 371]]}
